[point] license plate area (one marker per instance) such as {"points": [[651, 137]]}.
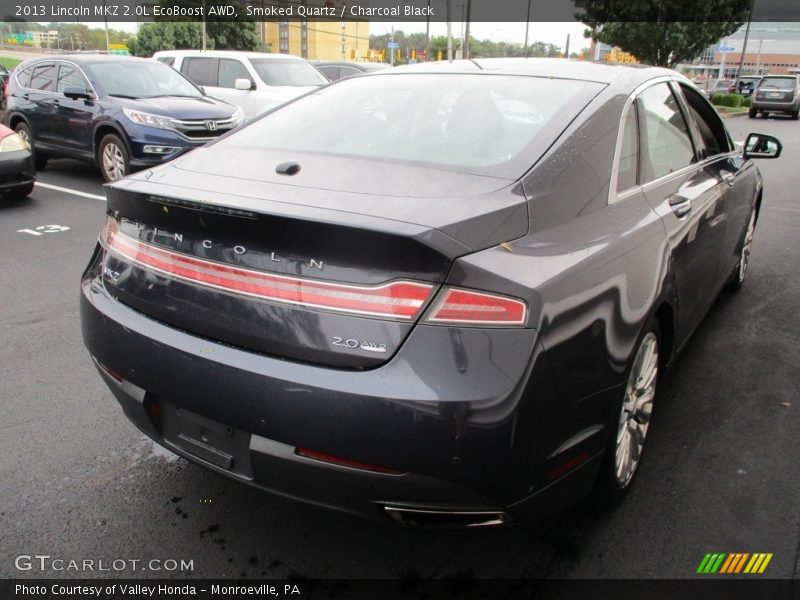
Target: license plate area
{"points": [[211, 441]]}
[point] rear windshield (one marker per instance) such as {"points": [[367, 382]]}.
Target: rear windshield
{"points": [[468, 122], [286, 72], [778, 83]]}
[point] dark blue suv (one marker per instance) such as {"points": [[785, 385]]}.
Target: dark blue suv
{"points": [[122, 113]]}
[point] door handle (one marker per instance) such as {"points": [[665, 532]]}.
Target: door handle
{"points": [[728, 178], [26, 96], [680, 205]]}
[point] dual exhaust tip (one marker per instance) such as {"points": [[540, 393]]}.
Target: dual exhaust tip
{"points": [[433, 518]]}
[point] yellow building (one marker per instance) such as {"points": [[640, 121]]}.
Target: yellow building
{"points": [[318, 40]]}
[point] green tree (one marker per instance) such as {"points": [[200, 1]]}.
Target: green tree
{"points": [[662, 32]]}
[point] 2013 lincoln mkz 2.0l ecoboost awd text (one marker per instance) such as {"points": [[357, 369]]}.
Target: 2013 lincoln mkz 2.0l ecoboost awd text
{"points": [[445, 294]]}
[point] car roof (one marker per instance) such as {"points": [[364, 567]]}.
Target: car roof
{"points": [[225, 54], [86, 58], [601, 72]]}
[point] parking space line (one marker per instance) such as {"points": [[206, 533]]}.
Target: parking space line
{"points": [[69, 191]]}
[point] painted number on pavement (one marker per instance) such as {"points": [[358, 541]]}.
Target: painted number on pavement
{"points": [[42, 229]]}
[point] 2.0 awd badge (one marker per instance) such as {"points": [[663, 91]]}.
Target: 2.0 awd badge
{"points": [[356, 344]]}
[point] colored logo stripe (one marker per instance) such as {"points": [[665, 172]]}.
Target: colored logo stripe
{"points": [[734, 563]]}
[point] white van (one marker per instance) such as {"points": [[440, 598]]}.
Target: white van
{"points": [[256, 81]]}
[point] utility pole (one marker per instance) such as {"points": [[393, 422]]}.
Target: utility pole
{"points": [[391, 47], [105, 18], [744, 49], [566, 52], [428, 32], [527, 25], [466, 35], [203, 26], [449, 31]]}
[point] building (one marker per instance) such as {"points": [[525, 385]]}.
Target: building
{"points": [[772, 47], [318, 40]]}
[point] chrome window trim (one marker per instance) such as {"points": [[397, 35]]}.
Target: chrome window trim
{"points": [[613, 195], [56, 62]]}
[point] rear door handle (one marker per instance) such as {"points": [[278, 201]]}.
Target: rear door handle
{"points": [[26, 96], [680, 205]]}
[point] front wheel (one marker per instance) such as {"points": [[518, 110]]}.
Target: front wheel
{"points": [[627, 446], [113, 158], [736, 278]]}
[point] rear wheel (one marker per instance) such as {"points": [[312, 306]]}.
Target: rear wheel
{"points": [[39, 158], [795, 114], [113, 158], [753, 113], [627, 445]]}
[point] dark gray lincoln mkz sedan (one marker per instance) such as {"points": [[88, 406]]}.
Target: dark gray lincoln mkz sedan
{"points": [[445, 294]]}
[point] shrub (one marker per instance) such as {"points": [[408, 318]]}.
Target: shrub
{"points": [[746, 102], [731, 100]]}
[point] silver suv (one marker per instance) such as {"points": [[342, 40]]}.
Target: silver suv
{"points": [[776, 93]]}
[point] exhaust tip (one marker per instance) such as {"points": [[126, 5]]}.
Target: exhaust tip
{"points": [[435, 518]]}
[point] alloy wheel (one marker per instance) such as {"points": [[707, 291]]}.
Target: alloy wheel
{"points": [[637, 406], [747, 244], [113, 162]]}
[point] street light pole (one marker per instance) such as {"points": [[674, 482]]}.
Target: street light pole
{"points": [[466, 33], [449, 31], [527, 25], [744, 49]]}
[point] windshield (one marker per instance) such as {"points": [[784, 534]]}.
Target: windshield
{"points": [[778, 83], [284, 72], [464, 121], [142, 79]]}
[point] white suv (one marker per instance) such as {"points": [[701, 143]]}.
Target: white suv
{"points": [[255, 81]]}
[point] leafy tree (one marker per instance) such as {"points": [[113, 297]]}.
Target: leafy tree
{"points": [[662, 32]]}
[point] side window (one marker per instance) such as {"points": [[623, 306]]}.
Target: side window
{"points": [[230, 71], [349, 72], [44, 78], [712, 131], [24, 77], [629, 154], [666, 143], [167, 60], [330, 71], [201, 71], [69, 76]]}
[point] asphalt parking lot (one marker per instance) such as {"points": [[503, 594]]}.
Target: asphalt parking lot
{"points": [[721, 472]]}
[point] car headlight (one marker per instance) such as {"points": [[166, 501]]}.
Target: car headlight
{"points": [[13, 142], [143, 118], [238, 116]]}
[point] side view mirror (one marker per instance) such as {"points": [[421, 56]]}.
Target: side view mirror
{"points": [[761, 145], [75, 93], [243, 84]]}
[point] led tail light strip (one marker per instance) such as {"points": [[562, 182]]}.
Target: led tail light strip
{"points": [[397, 300]]}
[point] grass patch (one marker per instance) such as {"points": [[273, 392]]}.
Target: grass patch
{"points": [[9, 63], [730, 110]]}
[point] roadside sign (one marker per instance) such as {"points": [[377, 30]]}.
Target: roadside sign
{"points": [[724, 49], [393, 45]]}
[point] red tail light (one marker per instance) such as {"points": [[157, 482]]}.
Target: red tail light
{"points": [[397, 300], [465, 307]]}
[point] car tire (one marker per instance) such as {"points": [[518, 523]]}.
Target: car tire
{"points": [[795, 114], [736, 278], [629, 430], [113, 158], [753, 113], [39, 158]]}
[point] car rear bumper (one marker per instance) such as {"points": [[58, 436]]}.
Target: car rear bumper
{"points": [[780, 106], [247, 415]]}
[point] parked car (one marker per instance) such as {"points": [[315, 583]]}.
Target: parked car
{"points": [[446, 294], [776, 94], [711, 87], [254, 81], [17, 173], [335, 70], [4, 75], [120, 112], [747, 85]]}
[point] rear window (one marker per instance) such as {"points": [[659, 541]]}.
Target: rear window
{"points": [[469, 122], [778, 83], [287, 72]]}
